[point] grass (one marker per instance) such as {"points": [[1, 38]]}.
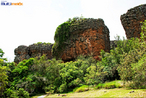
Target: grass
{"points": [[81, 89], [116, 92], [110, 85], [108, 89]]}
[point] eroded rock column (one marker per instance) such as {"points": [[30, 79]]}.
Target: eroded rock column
{"points": [[131, 21]]}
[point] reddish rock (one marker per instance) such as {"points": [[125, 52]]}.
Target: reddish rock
{"points": [[89, 39], [131, 21]]}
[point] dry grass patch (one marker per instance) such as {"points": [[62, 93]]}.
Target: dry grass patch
{"points": [[117, 92]]}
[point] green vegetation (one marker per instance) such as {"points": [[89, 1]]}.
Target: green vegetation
{"points": [[117, 92], [3, 73], [132, 64], [81, 88], [102, 90], [126, 62], [43, 43], [110, 85]]}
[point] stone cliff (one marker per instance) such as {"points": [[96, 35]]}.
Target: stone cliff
{"points": [[83, 37], [34, 50], [131, 20]]}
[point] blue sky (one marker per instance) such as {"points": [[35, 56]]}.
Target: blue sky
{"points": [[37, 20]]}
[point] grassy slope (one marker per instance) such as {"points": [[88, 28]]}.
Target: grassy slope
{"points": [[117, 92]]}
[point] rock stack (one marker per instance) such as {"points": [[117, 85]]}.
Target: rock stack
{"points": [[131, 21], [34, 50], [87, 37]]}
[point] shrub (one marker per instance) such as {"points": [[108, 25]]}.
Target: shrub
{"points": [[43, 43], [13, 93], [63, 88], [132, 64], [143, 31], [109, 85], [100, 85], [3, 79], [81, 89], [139, 74], [3, 73], [125, 66], [22, 93], [49, 89]]}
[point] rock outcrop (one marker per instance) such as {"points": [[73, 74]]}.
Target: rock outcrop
{"points": [[131, 21], [34, 50], [86, 37], [21, 53]]}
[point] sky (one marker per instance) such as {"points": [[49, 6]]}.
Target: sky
{"points": [[37, 20]]}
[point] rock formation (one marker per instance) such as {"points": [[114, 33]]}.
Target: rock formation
{"points": [[131, 21], [83, 37], [21, 53], [34, 50]]}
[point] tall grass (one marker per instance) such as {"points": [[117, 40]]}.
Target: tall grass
{"points": [[81, 89], [110, 85]]}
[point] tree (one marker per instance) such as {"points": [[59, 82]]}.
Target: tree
{"points": [[3, 73], [130, 63], [143, 31]]}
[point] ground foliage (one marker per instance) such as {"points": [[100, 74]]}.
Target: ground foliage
{"points": [[126, 62]]}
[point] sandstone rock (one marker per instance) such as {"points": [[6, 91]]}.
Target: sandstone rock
{"points": [[88, 37], [34, 50], [131, 20]]}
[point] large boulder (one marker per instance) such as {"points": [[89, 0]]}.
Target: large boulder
{"points": [[34, 50], [131, 21], [81, 37]]}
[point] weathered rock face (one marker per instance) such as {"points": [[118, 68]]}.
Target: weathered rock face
{"points": [[21, 53], [34, 50], [131, 21], [88, 38]]}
